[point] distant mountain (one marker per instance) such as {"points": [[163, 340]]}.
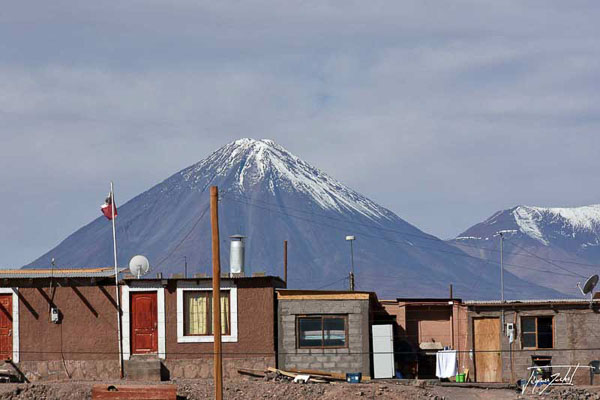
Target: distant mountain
{"points": [[554, 247], [271, 195]]}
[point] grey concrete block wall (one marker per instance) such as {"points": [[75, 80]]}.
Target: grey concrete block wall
{"points": [[354, 358]]}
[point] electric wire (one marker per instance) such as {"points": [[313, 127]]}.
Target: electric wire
{"points": [[244, 198], [405, 243]]}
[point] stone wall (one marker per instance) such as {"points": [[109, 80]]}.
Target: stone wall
{"points": [[49, 370], [203, 367], [354, 358]]}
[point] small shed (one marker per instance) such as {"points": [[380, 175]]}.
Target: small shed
{"points": [[324, 330]]}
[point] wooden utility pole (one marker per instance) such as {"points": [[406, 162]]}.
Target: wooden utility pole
{"points": [[285, 262], [216, 278]]}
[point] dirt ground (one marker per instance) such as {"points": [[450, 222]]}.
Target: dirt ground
{"points": [[244, 389]]}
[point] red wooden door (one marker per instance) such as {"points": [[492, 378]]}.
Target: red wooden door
{"points": [[6, 326], [144, 334]]}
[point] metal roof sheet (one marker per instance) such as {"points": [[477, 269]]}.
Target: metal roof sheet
{"points": [[102, 272], [525, 302]]}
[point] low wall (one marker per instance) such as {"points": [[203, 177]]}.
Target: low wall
{"points": [[203, 368], [49, 370]]}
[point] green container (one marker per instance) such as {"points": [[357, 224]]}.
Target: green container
{"points": [[460, 378]]}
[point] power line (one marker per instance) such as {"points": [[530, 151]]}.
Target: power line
{"points": [[543, 259], [184, 238], [405, 243], [245, 199], [332, 283]]}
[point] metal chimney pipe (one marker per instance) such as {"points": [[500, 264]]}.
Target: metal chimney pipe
{"points": [[236, 254]]}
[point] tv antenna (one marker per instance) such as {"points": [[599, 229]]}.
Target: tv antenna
{"points": [[139, 265], [588, 287]]}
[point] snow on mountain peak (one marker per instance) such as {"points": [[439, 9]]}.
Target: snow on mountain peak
{"points": [[531, 220], [256, 161]]}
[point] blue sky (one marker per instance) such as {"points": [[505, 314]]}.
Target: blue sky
{"points": [[443, 112]]}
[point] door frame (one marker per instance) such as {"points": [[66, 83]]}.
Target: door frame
{"points": [[15, 320], [160, 311]]}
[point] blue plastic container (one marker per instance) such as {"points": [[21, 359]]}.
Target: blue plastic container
{"points": [[354, 377]]}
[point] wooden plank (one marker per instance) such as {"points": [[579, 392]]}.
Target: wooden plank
{"points": [[137, 392], [252, 372], [486, 344], [293, 375], [320, 374], [341, 296]]}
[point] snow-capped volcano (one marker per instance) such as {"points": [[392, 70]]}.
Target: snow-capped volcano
{"points": [[564, 241], [559, 226], [270, 195], [265, 162]]}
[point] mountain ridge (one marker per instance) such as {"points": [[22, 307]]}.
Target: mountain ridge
{"points": [[270, 195], [555, 240]]}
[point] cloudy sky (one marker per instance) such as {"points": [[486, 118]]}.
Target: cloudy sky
{"points": [[443, 112]]}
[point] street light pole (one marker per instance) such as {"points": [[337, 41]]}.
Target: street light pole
{"points": [[351, 239], [501, 234]]}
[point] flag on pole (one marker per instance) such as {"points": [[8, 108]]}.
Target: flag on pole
{"points": [[106, 208]]}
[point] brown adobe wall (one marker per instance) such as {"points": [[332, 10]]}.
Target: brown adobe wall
{"points": [[256, 327], [88, 327]]}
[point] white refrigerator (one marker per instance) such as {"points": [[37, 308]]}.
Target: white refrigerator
{"points": [[383, 351]]}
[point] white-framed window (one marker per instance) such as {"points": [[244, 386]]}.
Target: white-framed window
{"points": [[194, 312]]}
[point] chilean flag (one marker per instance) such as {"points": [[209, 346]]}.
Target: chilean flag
{"points": [[106, 208]]}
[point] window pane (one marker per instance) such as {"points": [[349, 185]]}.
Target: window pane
{"points": [[528, 324], [529, 340], [545, 332], [334, 331], [225, 317], [196, 313], [310, 332]]}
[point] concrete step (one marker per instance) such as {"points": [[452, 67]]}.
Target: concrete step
{"points": [[143, 369]]}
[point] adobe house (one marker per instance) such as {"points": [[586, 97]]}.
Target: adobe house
{"points": [[560, 332], [59, 324], [177, 327], [324, 330], [422, 326], [167, 327]]}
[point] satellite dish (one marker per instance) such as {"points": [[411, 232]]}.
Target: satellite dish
{"points": [[139, 265], [590, 284]]}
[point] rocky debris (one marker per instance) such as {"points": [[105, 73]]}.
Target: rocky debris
{"points": [[571, 393], [71, 391], [277, 386]]}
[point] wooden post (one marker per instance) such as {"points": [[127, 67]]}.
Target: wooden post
{"points": [[285, 262], [216, 263]]}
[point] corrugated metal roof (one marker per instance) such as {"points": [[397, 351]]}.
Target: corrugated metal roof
{"points": [[103, 272], [517, 302]]}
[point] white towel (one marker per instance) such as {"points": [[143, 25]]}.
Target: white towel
{"points": [[445, 364]]}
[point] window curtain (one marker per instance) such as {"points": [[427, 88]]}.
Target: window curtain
{"points": [[224, 312], [197, 309]]}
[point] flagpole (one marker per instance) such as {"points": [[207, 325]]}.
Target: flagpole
{"points": [[114, 232]]}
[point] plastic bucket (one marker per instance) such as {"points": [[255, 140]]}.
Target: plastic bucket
{"points": [[460, 378]]}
